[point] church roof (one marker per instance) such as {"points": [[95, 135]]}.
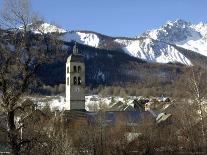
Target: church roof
{"points": [[111, 117], [75, 56]]}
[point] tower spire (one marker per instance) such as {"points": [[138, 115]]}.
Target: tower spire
{"points": [[75, 48]]}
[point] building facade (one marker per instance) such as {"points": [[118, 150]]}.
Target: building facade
{"points": [[75, 81]]}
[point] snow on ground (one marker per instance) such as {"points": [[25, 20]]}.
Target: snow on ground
{"points": [[54, 102], [92, 102], [97, 101]]}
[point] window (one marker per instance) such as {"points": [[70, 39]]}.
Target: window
{"points": [[74, 69], [79, 81], [79, 69], [68, 81], [67, 69], [75, 81]]}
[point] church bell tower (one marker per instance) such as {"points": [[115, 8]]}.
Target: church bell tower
{"points": [[75, 81]]}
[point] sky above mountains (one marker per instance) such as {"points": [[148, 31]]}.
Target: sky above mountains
{"points": [[118, 17]]}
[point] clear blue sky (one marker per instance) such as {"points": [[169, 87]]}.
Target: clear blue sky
{"points": [[119, 17]]}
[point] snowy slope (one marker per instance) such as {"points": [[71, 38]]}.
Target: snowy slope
{"points": [[201, 27], [86, 38], [183, 34], [48, 28], [153, 51], [197, 44], [44, 28]]}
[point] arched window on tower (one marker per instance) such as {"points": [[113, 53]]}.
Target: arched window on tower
{"points": [[67, 69], [79, 69], [68, 81], [74, 69], [79, 81], [75, 80]]}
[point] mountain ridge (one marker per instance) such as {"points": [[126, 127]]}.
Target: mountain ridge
{"points": [[151, 46], [135, 59]]}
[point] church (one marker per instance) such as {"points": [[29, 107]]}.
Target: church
{"points": [[75, 81], [74, 109]]}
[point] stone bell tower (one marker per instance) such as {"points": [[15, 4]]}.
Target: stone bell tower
{"points": [[75, 81]]}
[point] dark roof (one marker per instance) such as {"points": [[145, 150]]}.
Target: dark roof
{"points": [[4, 148], [75, 58], [110, 117], [74, 114]]}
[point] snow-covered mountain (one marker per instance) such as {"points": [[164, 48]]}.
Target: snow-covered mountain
{"points": [[144, 48], [184, 34], [153, 51], [152, 46], [156, 45], [41, 27]]}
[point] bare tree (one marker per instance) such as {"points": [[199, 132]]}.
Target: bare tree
{"points": [[190, 112], [198, 91], [22, 53]]}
